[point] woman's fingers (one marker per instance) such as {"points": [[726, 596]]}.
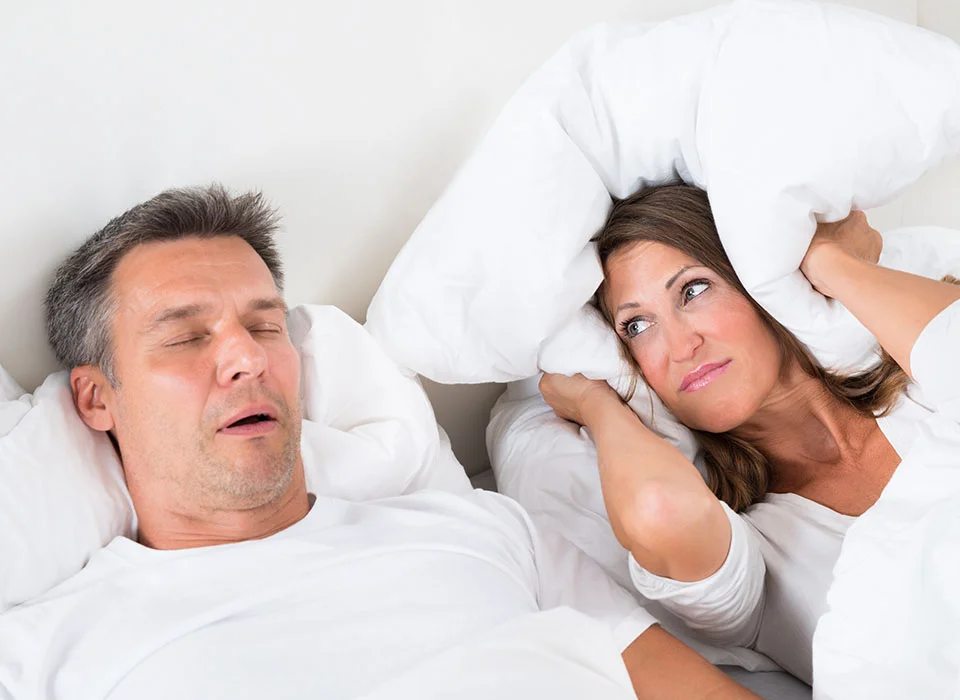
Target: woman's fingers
{"points": [[565, 395], [851, 237]]}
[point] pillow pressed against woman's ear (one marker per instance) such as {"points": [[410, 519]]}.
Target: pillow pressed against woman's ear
{"points": [[502, 260]]}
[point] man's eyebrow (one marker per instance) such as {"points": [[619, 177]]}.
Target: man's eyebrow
{"points": [[268, 304], [188, 311], [175, 313]]}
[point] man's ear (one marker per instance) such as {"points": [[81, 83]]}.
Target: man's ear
{"points": [[91, 395]]}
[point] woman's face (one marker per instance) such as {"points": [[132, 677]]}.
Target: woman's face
{"points": [[699, 343]]}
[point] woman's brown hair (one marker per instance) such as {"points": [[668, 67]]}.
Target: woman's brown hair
{"points": [[679, 216]]}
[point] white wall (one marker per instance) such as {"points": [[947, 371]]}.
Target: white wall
{"points": [[936, 198], [350, 116]]}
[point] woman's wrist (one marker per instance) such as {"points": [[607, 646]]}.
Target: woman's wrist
{"points": [[596, 401], [828, 267]]}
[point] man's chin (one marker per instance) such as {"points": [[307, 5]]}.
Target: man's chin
{"points": [[251, 477], [250, 489]]}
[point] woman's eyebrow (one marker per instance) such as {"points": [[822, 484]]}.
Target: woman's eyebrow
{"points": [[679, 272]]}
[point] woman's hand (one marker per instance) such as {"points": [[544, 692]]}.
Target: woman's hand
{"points": [[568, 395], [658, 504], [894, 306], [850, 237]]}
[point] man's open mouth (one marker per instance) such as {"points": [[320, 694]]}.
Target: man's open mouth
{"points": [[250, 420], [254, 420]]}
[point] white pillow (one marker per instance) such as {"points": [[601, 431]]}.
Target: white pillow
{"points": [[62, 492], [782, 110], [9, 389], [369, 432]]}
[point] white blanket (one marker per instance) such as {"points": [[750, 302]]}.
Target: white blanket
{"points": [[893, 627]]}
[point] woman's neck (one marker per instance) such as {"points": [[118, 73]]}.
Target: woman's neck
{"points": [[802, 428]]}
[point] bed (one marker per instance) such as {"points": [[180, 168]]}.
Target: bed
{"points": [[352, 118]]}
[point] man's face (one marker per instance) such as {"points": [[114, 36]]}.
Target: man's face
{"points": [[206, 411]]}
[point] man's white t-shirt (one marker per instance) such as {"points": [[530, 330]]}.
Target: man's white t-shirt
{"points": [[333, 607]]}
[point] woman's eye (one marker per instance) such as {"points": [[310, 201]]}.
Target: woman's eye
{"points": [[693, 289], [634, 327]]}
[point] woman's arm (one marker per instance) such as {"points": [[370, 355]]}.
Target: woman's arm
{"points": [[659, 506], [895, 306], [663, 667]]}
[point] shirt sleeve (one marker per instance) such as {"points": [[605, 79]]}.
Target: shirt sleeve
{"points": [[934, 364], [724, 608]]}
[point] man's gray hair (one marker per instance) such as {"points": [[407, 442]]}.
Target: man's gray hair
{"points": [[80, 304]]}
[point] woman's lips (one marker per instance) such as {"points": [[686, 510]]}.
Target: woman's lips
{"points": [[703, 375]]}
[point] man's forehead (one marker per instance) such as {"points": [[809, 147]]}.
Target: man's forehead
{"points": [[213, 252], [189, 276]]}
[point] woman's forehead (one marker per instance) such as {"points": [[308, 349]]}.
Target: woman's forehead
{"points": [[645, 264]]}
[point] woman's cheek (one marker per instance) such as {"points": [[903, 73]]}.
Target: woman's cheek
{"points": [[651, 358]]}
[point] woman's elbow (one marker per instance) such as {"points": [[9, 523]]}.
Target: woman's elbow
{"points": [[671, 528]]}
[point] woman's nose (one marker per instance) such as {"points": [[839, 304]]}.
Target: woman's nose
{"points": [[683, 340]]}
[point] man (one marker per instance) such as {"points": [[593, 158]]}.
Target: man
{"points": [[241, 583]]}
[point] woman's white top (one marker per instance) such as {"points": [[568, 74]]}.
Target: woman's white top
{"points": [[772, 589]]}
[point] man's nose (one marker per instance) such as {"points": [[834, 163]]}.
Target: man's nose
{"points": [[683, 339], [240, 357]]}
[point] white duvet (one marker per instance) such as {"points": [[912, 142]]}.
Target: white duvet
{"points": [[893, 625]]}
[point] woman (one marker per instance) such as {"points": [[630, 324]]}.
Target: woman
{"points": [[793, 453]]}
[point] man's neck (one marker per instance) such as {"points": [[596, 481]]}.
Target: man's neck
{"points": [[169, 528]]}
